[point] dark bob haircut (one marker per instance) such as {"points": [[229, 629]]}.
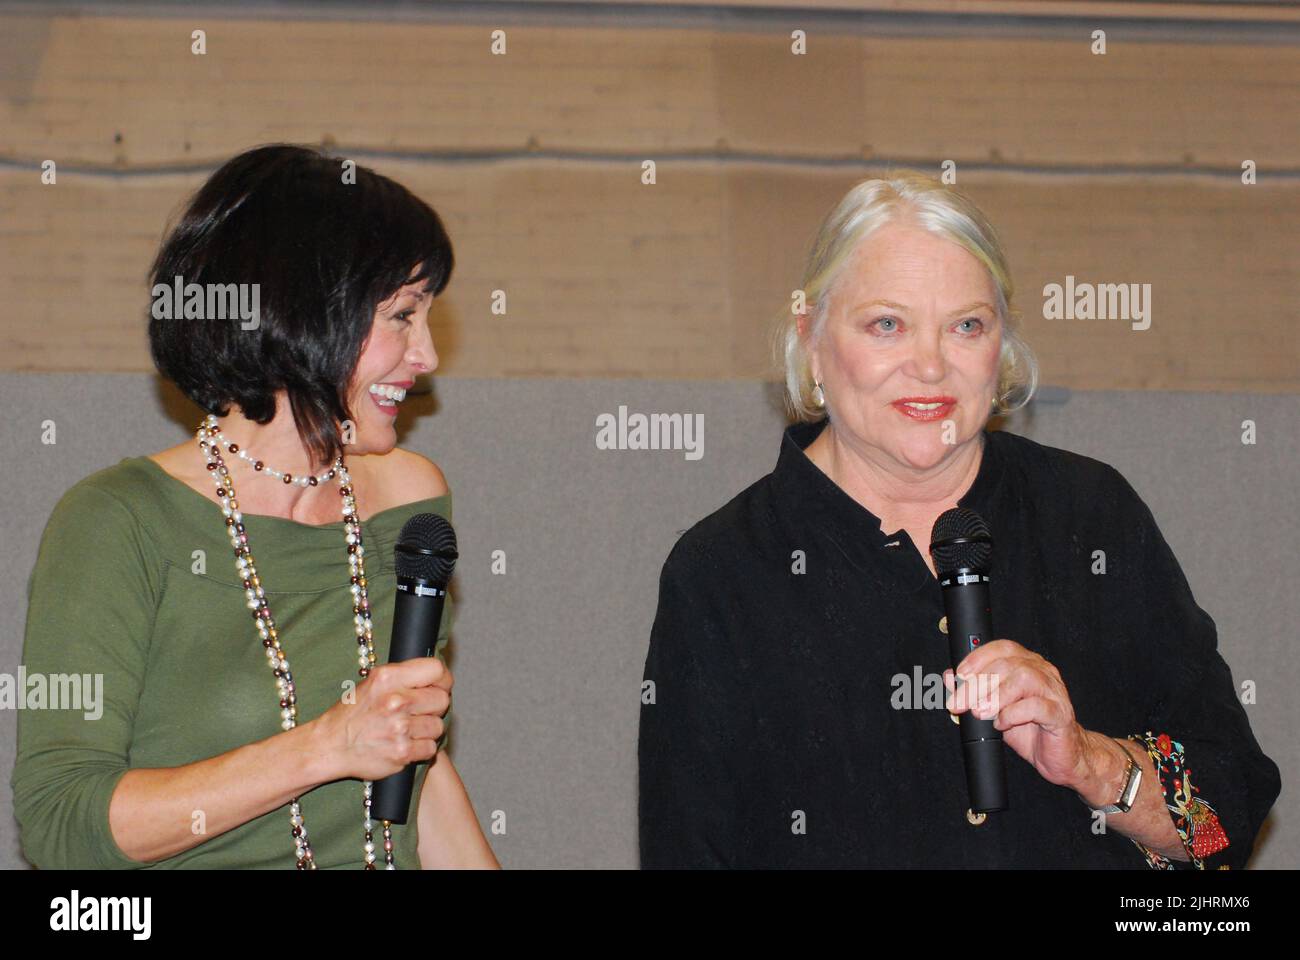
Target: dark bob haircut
{"points": [[325, 244]]}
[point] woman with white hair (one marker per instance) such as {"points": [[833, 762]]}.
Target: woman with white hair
{"points": [[796, 623]]}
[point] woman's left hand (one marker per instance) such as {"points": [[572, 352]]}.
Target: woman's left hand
{"points": [[1031, 707]]}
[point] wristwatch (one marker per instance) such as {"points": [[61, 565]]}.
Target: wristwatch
{"points": [[1129, 792]]}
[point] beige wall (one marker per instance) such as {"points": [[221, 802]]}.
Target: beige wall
{"points": [[1123, 168]]}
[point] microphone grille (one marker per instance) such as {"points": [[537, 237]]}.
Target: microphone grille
{"points": [[426, 549], [974, 546]]}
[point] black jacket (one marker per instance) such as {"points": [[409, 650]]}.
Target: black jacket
{"points": [[784, 731]]}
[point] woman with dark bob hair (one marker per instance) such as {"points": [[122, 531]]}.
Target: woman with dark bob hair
{"points": [[290, 303], [800, 653]]}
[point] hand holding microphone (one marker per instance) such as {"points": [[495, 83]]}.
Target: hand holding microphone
{"points": [[1015, 695], [424, 557], [396, 720], [962, 549]]}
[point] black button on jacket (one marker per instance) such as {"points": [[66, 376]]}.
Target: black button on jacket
{"points": [[787, 728]]}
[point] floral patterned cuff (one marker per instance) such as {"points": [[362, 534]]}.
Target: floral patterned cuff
{"points": [[1195, 820]]}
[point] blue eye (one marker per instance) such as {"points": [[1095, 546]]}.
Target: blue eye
{"points": [[888, 320], [974, 320]]}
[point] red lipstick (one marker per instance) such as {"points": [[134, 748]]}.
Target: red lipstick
{"points": [[927, 410]]}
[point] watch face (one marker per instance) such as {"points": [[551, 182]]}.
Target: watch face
{"points": [[1131, 788]]}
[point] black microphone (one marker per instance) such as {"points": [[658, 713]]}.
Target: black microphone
{"points": [[424, 558], [962, 547]]}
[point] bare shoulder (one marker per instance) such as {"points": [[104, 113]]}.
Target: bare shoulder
{"points": [[185, 462], [407, 476], [174, 459]]}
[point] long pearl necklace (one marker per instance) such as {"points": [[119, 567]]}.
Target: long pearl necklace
{"points": [[207, 435]]}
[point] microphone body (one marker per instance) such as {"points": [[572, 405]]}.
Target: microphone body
{"points": [[970, 623], [424, 564], [962, 550]]}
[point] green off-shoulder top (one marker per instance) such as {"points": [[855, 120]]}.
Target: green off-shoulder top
{"points": [[135, 592]]}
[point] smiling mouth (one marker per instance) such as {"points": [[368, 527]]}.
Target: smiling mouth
{"points": [[387, 394], [921, 408]]}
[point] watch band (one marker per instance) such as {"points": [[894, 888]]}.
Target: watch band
{"points": [[1128, 793]]}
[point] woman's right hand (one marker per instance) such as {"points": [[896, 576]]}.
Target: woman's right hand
{"points": [[395, 719]]}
